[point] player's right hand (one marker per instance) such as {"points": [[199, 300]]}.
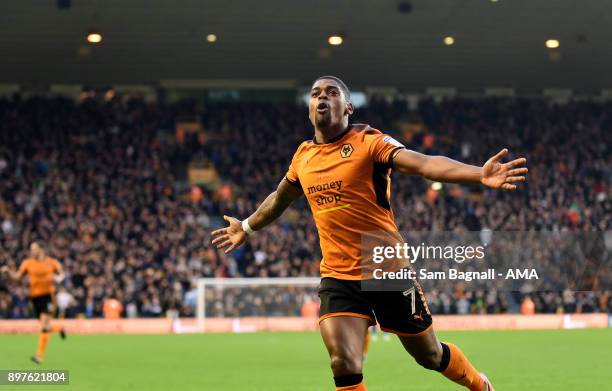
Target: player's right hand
{"points": [[230, 237]]}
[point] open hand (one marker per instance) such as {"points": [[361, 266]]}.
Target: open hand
{"points": [[498, 175], [231, 236]]}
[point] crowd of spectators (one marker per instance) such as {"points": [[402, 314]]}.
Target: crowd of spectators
{"points": [[101, 184]]}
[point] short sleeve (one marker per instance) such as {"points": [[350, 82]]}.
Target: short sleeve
{"points": [[383, 147], [56, 266], [292, 174], [23, 268]]}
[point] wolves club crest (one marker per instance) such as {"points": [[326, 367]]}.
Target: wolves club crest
{"points": [[346, 150]]}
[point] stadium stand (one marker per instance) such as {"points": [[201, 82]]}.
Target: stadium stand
{"points": [[104, 183]]}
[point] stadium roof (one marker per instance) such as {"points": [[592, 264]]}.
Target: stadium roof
{"points": [[497, 43]]}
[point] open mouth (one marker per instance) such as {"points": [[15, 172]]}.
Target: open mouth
{"points": [[322, 107]]}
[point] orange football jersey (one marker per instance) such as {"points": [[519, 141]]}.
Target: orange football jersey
{"points": [[40, 273], [347, 184]]}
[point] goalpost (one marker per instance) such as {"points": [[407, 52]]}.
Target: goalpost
{"points": [[233, 299]]}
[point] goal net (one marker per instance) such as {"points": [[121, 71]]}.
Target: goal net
{"points": [[257, 304]]}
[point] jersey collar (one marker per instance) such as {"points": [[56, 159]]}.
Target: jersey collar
{"points": [[337, 137]]}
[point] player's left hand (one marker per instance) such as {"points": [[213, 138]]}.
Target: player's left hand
{"points": [[498, 175]]}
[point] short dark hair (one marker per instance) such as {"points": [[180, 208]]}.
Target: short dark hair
{"points": [[343, 86]]}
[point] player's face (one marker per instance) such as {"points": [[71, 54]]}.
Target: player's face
{"points": [[36, 251], [328, 106]]}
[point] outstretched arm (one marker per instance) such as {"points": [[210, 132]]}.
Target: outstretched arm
{"points": [[6, 272], [59, 275], [273, 206], [13, 275], [493, 173]]}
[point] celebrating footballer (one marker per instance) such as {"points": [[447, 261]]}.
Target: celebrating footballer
{"points": [[344, 172]]}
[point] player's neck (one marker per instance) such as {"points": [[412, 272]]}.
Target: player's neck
{"points": [[327, 135]]}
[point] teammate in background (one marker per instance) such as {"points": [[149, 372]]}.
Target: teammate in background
{"points": [[344, 172], [42, 272]]}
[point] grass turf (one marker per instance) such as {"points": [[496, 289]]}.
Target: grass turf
{"points": [[514, 360]]}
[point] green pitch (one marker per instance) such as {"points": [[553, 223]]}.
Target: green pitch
{"points": [[514, 360]]}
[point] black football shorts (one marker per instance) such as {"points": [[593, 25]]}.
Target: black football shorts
{"points": [[42, 304], [404, 313]]}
